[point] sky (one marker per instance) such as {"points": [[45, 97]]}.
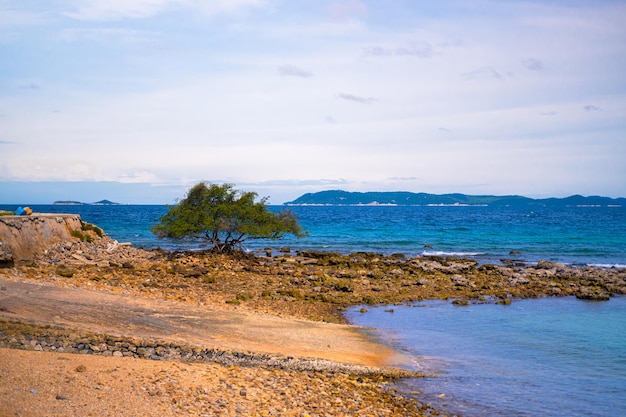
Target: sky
{"points": [[136, 101]]}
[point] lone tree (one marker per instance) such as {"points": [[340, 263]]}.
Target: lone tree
{"points": [[225, 217]]}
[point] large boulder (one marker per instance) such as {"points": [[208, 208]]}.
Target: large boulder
{"points": [[27, 237]]}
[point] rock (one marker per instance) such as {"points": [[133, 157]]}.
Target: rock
{"points": [[64, 271], [518, 279], [592, 294], [551, 266], [459, 280], [27, 237], [6, 257]]}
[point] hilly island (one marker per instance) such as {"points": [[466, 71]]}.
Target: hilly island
{"points": [[405, 198]]}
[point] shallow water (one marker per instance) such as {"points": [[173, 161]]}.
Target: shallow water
{"points": [[551, 356]]}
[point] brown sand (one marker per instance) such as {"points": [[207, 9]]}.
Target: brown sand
{"points": [[36, 383], [60, 384], [208, 326]]}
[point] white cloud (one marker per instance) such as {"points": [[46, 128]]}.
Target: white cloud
{"points": [[299, 98], [118, 9], [347, 10], [590, 107], [416, 49], [106, 35], [106, 10], [356, 99], [12, 17], [293, 71], [482, 73], [142, 177], [533, 64]]}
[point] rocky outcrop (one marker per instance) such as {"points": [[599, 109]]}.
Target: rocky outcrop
{"points": [[26, 237], [593, 294], [103, 251]]}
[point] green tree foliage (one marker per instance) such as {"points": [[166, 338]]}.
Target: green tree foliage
{"points": [[225, 217]]}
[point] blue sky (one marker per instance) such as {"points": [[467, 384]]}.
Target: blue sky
{"points": [[137, 100]]}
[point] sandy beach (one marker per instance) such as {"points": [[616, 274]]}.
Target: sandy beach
{"points": [[61, 384], [103, 329], [299, 367]]}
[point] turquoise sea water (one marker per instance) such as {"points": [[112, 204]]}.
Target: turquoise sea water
{"points": [[574, 235], [552, 357]]}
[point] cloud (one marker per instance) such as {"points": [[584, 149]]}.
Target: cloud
{"points": [[142, 177], [30, 86], [372, 97], [356, 99], [345, 10], [533, 64], [482, 73], [417, 49], [377, 51], [403, 178], [118, 9], [106, 10], [414, 49], [107, 34], [300, 183], [14, 18], [293, 71]]}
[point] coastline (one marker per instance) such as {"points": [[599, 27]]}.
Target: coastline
{"points": [[312, 286], [588, 236]]}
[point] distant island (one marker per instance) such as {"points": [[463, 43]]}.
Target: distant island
{"points": [[405, 198], [78, 203]]}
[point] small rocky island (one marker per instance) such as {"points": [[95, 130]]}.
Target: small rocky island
{"points": [[78, 203]]}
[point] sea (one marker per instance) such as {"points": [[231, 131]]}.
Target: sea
{"points": [[548, 357]]}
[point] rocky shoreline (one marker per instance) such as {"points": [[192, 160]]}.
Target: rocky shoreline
{"points": [[33, 337], [315, 286]]}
